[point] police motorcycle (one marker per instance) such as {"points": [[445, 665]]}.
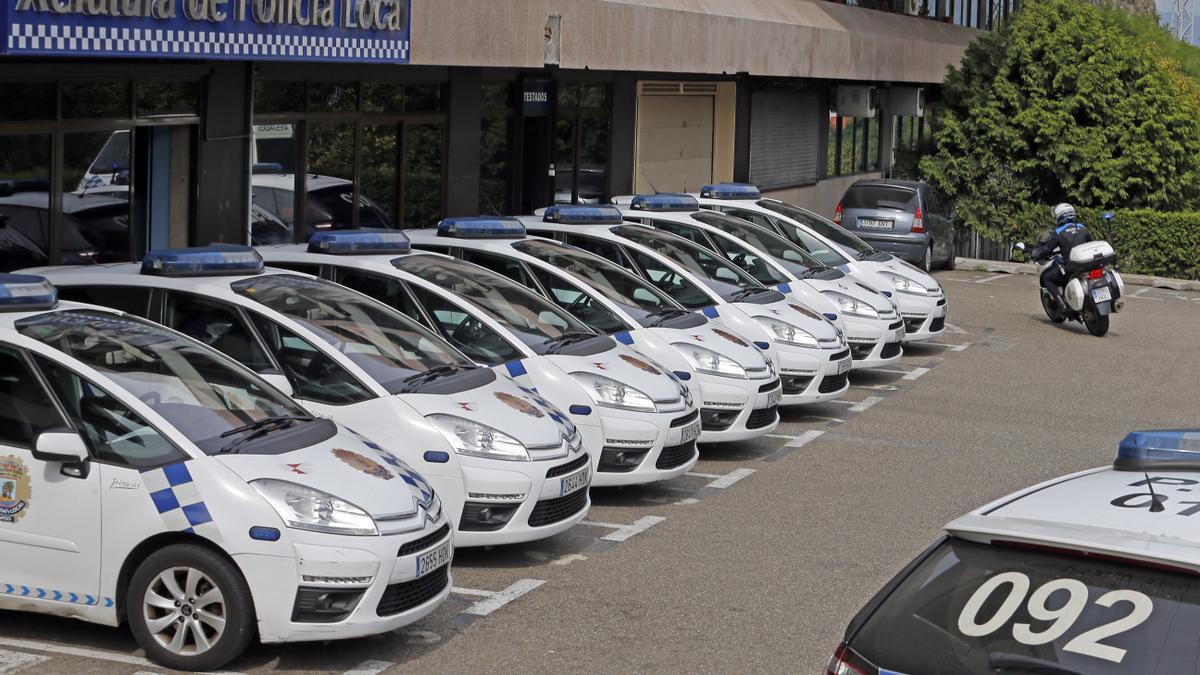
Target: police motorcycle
{"points": [[1093, 292]]}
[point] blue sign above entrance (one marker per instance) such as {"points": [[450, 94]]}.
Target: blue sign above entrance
{"points": [[244, 30]]}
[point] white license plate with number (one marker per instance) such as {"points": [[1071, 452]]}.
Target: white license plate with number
{"points": [[432, 560], [844, 366], [1102, 294], [690, 433], [774, 398], [575, 482], [899, 334], [876, 223]]}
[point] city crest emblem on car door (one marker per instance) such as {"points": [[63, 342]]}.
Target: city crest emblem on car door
{"points": [[15, 489]]}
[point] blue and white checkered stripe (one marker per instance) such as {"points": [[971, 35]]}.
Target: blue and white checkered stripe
{"points": [[110, 40], [178, 500], [54, 594], [565, 425], [402, 469]]}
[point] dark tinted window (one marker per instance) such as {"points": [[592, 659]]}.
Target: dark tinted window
{"points": [[313, 375], [605, 249], [26, 410], [977, 608], [469, 334], [334, 206], [581, 305], [823, 227], [689, 233], [127, 299], [218, 325], [500, 265], [667, 280], [880, 197], [303, 268], [387, 290]]}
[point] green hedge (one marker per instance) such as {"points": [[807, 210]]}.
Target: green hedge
{"points": [[1165, 244]]}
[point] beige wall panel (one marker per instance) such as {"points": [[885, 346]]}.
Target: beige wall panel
{"points": [[674, 143], [822, 197]]}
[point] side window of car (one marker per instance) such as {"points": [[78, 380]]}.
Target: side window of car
{"points": [[582, 306], [679, 229], [500, 265], [26, 410], [754, 217], [747, 259], [475, 338], [217, 324], [314, 376], [130, 299], [112, 431], [432, 248], [605, 249], [384, 289]]}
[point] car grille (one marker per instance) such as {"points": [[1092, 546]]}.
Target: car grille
{"points": [[770, 386], [424, 542], [840, 355], [676, 455], [763, 417], [862, 350], [833, 383], [685, 420], [937, 324], [895, 325], [408, 595], [567, 468], [889, 350], [913, 325], [550, 511], [942, 302]]}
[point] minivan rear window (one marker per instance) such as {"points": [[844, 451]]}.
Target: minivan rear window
{"points": [[880, 197], [991, 608]]}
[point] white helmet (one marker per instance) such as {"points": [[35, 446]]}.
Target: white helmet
{"points": [[1063, 213]]}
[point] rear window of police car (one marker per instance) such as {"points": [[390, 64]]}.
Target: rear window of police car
{"points": [[977, 608]]}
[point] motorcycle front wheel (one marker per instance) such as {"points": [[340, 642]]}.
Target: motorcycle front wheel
{"points": [[1096, 323], [1054, 312]]}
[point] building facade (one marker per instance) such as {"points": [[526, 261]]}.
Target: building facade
{"points": [[127, 125]]}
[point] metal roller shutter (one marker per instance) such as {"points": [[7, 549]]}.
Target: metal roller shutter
{"points": [[784, 138]]}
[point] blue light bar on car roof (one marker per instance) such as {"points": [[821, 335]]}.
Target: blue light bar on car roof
{"points": [[23, 292], [359, 242], [481, 228], [1167, 449], [206, 261], [583, 215], [731, 191], [665, 202]]}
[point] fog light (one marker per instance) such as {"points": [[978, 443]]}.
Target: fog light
{"points": [[477, 517], [620, 460], [717, 420], [318, 605]]}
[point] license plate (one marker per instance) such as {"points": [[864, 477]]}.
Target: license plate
{"points": [[898, 336], [432, 560], [1102, 294], [876, 223], [844, 366], [574, 483], [774, 398], [690, 433]]}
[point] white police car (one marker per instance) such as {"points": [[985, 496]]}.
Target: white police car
{"points": [[809, 351], [509, 466], [147, 479], [738, 387], [870, 321], [920, 299], [1095, 572], [645, 423]]}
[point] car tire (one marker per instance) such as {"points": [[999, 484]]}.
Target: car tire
{"points": [[1096, 323], [190, 608], [927, 261], [951, 262]]}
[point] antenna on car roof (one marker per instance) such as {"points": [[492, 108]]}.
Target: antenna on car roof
{"points": [[650, 181], [1155, 505]]}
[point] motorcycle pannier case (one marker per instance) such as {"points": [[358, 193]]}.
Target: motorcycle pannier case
{"points": [[1090, 256]]}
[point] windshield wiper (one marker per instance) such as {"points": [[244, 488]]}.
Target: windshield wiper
{"points": [[745, 293], [432, 374], [260, 428], [565, 339], [660, 316], [1028, 664]]}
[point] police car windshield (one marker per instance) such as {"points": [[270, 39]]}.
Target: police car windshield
{"points": [[978, 608], [645, 303], [823, 227], [727, 279], [538, 322], [199, 392], [388, 345], [797, 259]]}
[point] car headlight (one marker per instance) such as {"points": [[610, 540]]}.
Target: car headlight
{"points": [[606, 391], [905, 285], [710, 362], [787, 333], [479, 440], [852, 306], [304, 508]]}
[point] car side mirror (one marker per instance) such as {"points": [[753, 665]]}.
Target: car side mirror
{"points": [[279, 381], [65, 447]]}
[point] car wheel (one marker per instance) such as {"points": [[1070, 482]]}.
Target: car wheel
{"points": [[952, 260], [927, 261], [190, 608]]}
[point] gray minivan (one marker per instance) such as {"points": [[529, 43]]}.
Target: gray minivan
{"points": [[906, 218]]}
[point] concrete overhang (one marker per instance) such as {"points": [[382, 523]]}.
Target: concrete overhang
{"points": [[774, 38]]}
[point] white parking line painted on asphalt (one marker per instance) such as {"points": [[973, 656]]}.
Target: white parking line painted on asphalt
{"points": [[953, 348], [783, 436], [951, 328], [82, 653], [723, 482], [915, 374], [626, 532], [697, 474], [889, 371], [369, 668], [687, 502], [14, 662], [501, 598], [567, 559], [472, 591], [805, 438], [992, 278], [866, 404]]}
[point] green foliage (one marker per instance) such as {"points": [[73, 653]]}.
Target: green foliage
{"points": [[1147, 29], [1063, 104]]}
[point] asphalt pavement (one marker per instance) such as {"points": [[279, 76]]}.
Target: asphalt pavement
{"points": [[756, 561]]}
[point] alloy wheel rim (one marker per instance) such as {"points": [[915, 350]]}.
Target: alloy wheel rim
{"points": [[184, 611]]}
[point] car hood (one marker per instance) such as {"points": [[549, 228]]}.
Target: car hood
{"points": [[717, 339], [347, 466], [848, 286], [790, 311], [902, 268], [502, 405], [627, 367]]}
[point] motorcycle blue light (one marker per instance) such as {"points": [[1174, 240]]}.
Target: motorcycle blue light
{"points": [[583, 215], [481, 228], [22, 292], [730, 191], [1166, 449], [665, 202], [207, 261], [360, 242]]}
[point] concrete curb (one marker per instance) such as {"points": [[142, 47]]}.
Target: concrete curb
{"points": [[1029, 268]]}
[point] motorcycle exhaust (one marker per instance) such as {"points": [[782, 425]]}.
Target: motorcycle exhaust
{"points": [[1118, 305]]}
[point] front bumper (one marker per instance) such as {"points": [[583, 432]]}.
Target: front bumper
{"points": [[394, 597], [738, 410], [813, 375], [928, 324], [639, 448], [874, 344]]}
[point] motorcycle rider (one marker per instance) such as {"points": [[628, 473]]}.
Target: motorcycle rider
{"points": [[1067, 234]]}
